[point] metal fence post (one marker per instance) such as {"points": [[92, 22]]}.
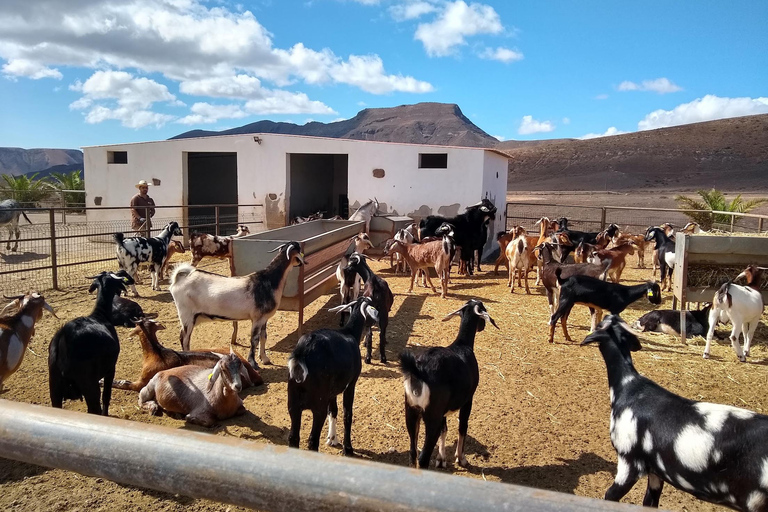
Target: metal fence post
{"points": [[760, 225], [64, 208], [217, 220], [733, 217], [147, 220], [602, 218], [54, 262]]}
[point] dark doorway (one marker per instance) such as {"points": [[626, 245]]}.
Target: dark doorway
{"points": [[317, 183], [212, 180]]}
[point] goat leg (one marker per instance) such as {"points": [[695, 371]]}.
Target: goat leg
{"points": [[318, 420], [333, 412], [383, 322], [653, 491], [442, 460], [368, 345], [412, 424], [348, 402], [464, 413]]}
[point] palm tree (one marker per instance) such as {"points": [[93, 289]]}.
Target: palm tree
{"points": [[715, 200], [69, 181], [27, 190]]}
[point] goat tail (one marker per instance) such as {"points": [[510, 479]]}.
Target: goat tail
{"points": [[297, 370], [416, 390], [119, 237], [722, 296], [181, 270]]}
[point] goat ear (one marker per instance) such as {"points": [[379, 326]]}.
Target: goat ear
{"points": [[94, 286], [214, 375], [455, 313]]}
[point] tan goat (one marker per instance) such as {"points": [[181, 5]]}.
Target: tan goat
{"points": [[423, 257], [521, 258]]}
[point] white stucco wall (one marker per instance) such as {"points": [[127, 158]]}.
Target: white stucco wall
{"points": [[262, 170]]}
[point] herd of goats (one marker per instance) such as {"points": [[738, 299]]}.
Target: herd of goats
{"points": [[717, 453]]}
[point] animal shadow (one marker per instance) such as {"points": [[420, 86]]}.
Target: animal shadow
{"points": [[12, 471], [22, 257]]}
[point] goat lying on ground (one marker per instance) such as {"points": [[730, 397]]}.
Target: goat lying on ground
{"points": [[668, 322], [324, 364], [743, 305], [17, 329], [716, 452], [203, 245], [133, 251], [202, 296], [85, 349], [199, 395], [441, 380], [156, 358]]}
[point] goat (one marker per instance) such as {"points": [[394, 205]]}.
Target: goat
{"points": [[156, 358], [10, 211], [202, 296], [468, 228], [17, 329], [521, 258], [200, 395], [637, 240], [422, 257], [575, 237], [133, 251], [441, 380], [382, 299], [669, 230], [616, 257], [665, 247], [203, 245], [549, 279], [668, 322], [366, 213], [324, 364], [85, 349], [743, 305], [126, 312], [715, 452], [597, 295], [349, 282], [692, 228], [174, 247], [407, 236]]}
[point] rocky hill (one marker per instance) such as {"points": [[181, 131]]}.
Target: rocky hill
{"points": [[422, 123], [17, 161]]}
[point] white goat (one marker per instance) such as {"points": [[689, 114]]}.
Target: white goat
{"points": [[743, 305], [366, 213]]}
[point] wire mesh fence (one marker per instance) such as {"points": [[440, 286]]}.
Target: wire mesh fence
{"points": [[56, 253], [629, 219]]}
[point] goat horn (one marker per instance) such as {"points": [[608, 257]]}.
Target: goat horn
{"points": [[278, 248], [49, 309], [484, 315], [14, 297], [338, 309]]}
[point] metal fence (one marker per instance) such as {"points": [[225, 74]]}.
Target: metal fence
{"points": [[62, 245], [48, 198], [628, 218]]}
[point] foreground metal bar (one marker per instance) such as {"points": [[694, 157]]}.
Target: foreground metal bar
{"points": [[245, 473]]}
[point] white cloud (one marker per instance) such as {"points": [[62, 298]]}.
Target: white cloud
{"points": [[367, 2], [456, 22], [203, 113], [29, 69], [285, 102], [529, 125], [501, 54], [566, 120], [659, 85], [411, 10], [708, 108], [610, 131], [127, 117], [601, 97]]}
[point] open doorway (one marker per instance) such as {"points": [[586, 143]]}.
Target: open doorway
{"points": [[212, 180], [317, 183]]}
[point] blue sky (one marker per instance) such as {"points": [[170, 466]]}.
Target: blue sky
{"points": [[85, 72]]}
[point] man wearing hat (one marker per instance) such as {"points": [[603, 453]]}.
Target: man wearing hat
{"points": [[142, 209]]}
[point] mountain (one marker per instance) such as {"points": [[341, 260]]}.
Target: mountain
{"points": [[423, 123], [729, 154], [17, 161]]}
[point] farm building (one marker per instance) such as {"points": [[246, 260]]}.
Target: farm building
{"points": [[296, 175]]}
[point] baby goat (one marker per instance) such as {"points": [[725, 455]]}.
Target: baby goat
{"points": [[381, 298], [597, 295], [743, 305], [199, 395], [16, 331], [203, 245], [441, 380], [324, 364], [715, 452]]}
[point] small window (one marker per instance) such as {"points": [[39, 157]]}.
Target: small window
{"points": [[433, 160], [117, 157]]}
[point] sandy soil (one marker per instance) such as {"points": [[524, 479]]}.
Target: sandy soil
{"points": [[540, 417]]}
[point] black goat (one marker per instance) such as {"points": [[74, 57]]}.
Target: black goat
{"points": [[665, 247], [381, 298], [715, 452], [550, 264], [324, 364], [125, 312], [441, 380], [598, 296], [576, 237], [468, 228], [668, 322], [85, 349]]}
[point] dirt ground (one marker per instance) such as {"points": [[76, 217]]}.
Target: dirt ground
{"points": [[540, 416]]}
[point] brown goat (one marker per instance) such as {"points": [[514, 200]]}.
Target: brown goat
{"points": [[423, 257], [203, 245], [157, 358], [617, 257], [549, 280], [174, 247], [637, 240]]}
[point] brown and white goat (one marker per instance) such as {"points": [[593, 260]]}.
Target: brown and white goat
{"points": [[199, 395], [157, 358], [521, 258], [637, 240], [16, 331], [617, 257], [423, 257], [203, 245], [174, 247]]}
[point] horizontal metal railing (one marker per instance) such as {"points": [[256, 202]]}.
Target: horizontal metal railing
{"points": [[245, 473]]}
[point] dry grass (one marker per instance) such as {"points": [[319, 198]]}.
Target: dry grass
{"points": [[540, 417]]}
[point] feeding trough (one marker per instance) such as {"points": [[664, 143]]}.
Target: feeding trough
{"points": [[385, 227], [323, 243], [704, 262]]}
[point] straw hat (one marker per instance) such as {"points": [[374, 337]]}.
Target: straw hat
{"points": [[142, 183]]}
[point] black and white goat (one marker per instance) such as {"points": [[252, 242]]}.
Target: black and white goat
{"points": [[597, 295], [717, 453], [665, 247], [381, 298], [133, 251], [324, 364], [349, 281], [202, 296], [441, 380], [85, 349], [743, 305], [668, 321]]}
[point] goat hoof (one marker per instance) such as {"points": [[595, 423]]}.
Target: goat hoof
{"points": [[705, 355], [743, 359], [384, 359], [332, 442], [367, 360], [348, 452], [746, 353], [441, 463], [462, 461]]}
